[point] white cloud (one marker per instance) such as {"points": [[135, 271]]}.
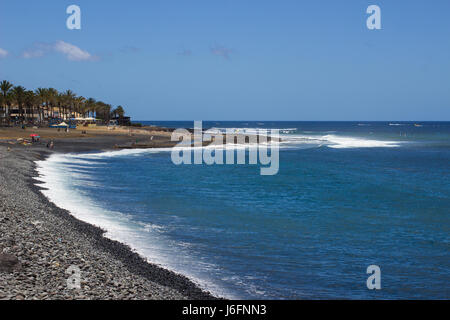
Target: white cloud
{"points": [[3, 53], [70, 51]]}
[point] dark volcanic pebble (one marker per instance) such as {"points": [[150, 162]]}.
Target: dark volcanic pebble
{"points": [[8, 263], [39, 242]]}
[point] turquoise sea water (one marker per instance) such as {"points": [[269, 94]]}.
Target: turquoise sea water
{"points": [[347, 195]]}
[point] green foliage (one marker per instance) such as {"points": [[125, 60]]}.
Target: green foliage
{"points": [[47, 100]]}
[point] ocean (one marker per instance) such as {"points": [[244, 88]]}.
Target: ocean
{"points": [[347, 195]]}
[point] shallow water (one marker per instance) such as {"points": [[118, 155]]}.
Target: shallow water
{"points": [[347, 195]]}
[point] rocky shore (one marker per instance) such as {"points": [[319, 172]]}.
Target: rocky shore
{"points": [[39, 242]]}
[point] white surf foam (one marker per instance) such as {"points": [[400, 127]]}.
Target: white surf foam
{"points": [[146, 239], [288, 141], [336, 142], [329, 139], [65, 188], [260, 131], [351, 142]]}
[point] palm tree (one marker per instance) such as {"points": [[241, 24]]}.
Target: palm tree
{"points": [[42, 97], [68, 101], [103, 111], [90, 106], [120, 112], [52, 100], [107, 112], [19, 96], [61, 101], [80, 105], [5, 88], [44, 102], [30, 100], [99, 109]]}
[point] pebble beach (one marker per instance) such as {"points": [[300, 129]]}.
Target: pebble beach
{"points": [[39, 242]]}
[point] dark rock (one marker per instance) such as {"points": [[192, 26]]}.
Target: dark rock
{"points": [[8, 263]]}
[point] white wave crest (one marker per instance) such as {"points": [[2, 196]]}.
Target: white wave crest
{"points": [[65, 189], [336, 142]]}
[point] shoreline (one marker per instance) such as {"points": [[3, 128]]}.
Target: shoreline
{"points": [[148, 281]]}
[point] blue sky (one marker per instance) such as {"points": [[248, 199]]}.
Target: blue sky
{"points": [[235, 59]]}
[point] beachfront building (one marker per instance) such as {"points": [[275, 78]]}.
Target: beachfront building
{"points": [[122, 121], [84, 122]]}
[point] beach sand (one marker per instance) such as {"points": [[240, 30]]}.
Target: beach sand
{"points": [[39, 241], [97, 138]]}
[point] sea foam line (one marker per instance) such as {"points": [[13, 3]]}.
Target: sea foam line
{"points": [[336, 142], [288, 141], [146, 239]]}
